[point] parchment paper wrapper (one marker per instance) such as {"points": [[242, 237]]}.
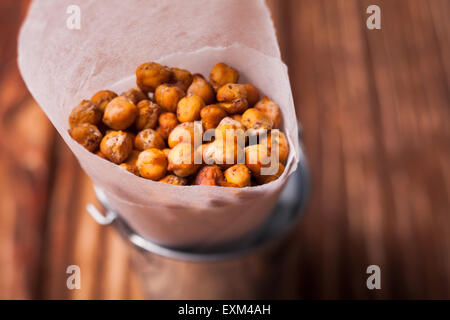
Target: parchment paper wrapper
{"points": [[62, 66]]}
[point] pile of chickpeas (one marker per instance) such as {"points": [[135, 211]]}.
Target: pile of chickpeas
{"points": [[149, 130]]}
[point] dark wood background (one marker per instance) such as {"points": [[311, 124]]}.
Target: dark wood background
{"points": [[375, 109]]}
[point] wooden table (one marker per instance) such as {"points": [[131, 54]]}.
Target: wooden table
{"points": [[375, 108]]}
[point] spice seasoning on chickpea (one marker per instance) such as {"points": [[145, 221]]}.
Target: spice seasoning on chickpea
{"points": [[189, 108], [181, 78], [120, 113], [181, 160], [87, 135], [231, 92], [130, 163], [209, 176], [175, 180], [134, 95], [150, 75], [200, 87], [238, 175], [271, 110], [263, 179], [149, 138], [85, 112], [211, 116], [222, 74], [167, 122], [281, 144], [102, 98], [255, 121], [184, 132], [152, 164], [148, 113], [116, 146], [252, 94], [256, 157]]}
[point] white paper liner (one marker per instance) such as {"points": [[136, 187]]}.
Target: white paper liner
{"points": [[61, 67]]}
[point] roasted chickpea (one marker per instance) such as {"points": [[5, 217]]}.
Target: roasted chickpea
{"points": [[238, 175], [184, 132], [120, 113], [231, 92], [85, 112], [271, 110], [87, 135], [130, 163], [149, 138], [280, 142], [237, 117], [255, 121], [102, 98], [256, 157], [200, 87], [101, 155], [167, 96], [263, 179], [134, 95], [166, 151], [148, 113], [226, 154], [229, 126], [150, 75], [211, 116], [181, 78], [181, 160], [175, 180], [116, 146], [167, 122], [234, 107], [209, 176], [207, 152], [222, 74], [189, 108], [152, 164], [252, 94]]}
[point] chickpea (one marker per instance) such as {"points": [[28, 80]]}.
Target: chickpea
{"points": [[181, 78], [149, 138], [150, 75], [101, 155], [211, 116], [120, 113], [85, 112], [226, 154], [181, 160], [87, 135], [102, 98], [252, 94], [229, 126], [234, 107], [209, 176], [135, 95], [231, 92], [130, 163], [184, 132], [148, 113], [175, 180], [222, 74], [256, 157], [167, 122], [152, 164], [207, 152], [263, 179], [238, 175], [116, 146], [167, 96], [189, 108], [281, 141], [200, 87], [237, 117], [255, 121], [271, 110]]}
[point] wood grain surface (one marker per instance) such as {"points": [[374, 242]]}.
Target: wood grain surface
{"points": [[375, 108]]}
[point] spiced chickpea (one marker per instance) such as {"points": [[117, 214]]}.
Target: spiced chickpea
{"points": [[167, 96], [101, 155], [237, 117], [149, 138], [85, 112], [231, 92], [271, 110], [209, 176], [234, 107], [252, 94], [102, 98], [206, 150], [134, 95], [130, 163], [152, 164], [167, 122], [281, 143], [238, 175], [227, 128], [87, 135], [184, 132], [116, 146], [120, 113], [166, 151], [200, 87], [222, 74], [255, 121], [181, 78], [211, 116], [263, 179], [182, 160], [189, 108], [226, 154], [256, 157], [148, 113], [175, 180], [150, 75]]}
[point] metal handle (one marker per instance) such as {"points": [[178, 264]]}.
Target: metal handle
{"points": [[104, 220]]}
